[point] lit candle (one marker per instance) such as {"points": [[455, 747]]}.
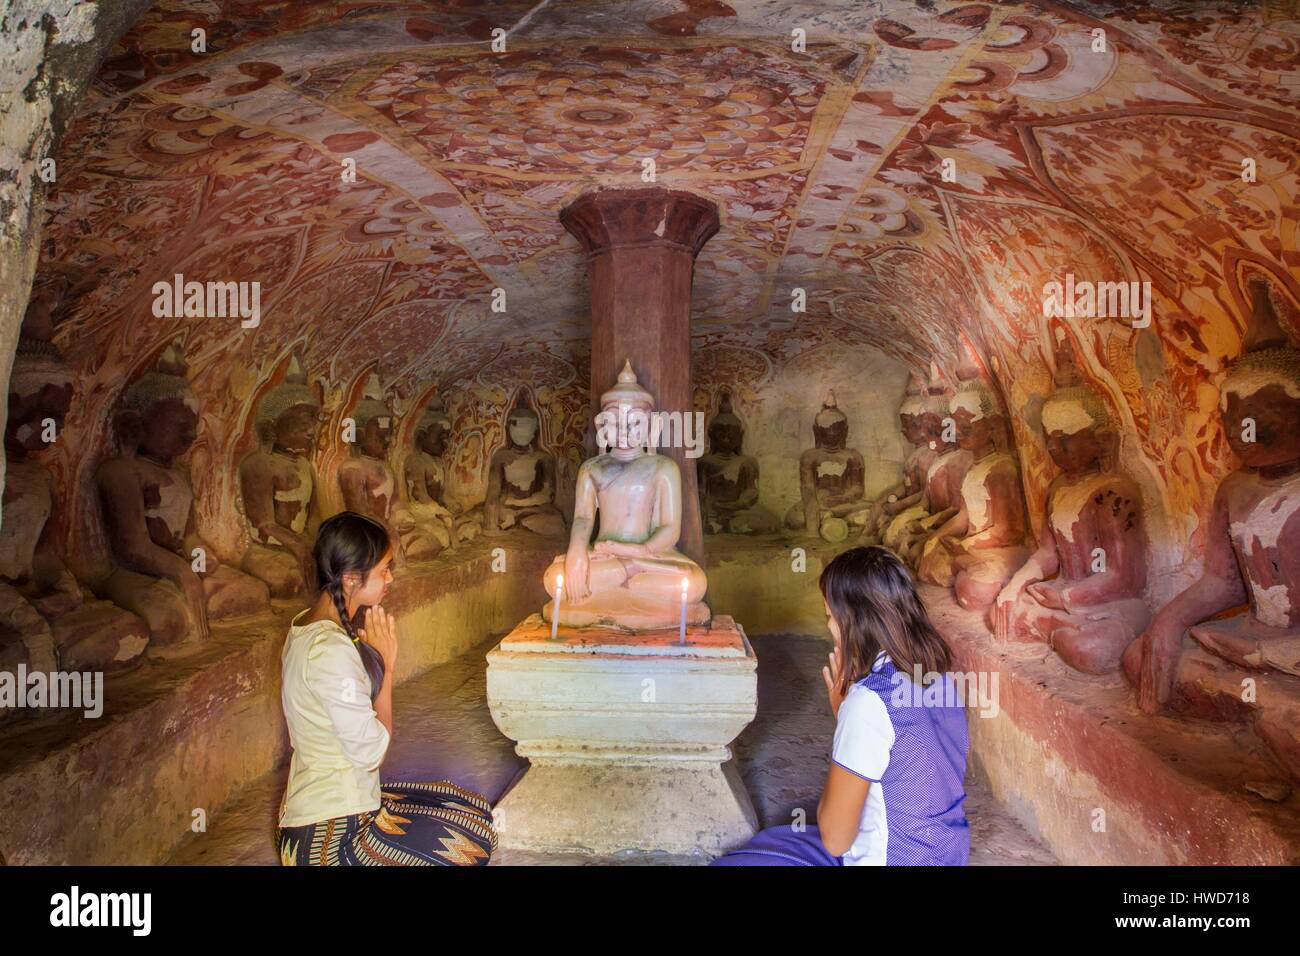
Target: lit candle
{"points": [[681, 633], [555, 608]]}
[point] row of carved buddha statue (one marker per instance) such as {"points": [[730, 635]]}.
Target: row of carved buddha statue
{"points": [[164, 585], [958, 517], [278, 481]]}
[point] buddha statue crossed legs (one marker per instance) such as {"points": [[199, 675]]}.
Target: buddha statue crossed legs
{"points": [[1252, 544], [426, 479], [1093, 541], [729, 480], [945, 467], [904, 495], [632, 575], [521, 481], [977, 550], [369, 484], [45, 619], [164, 573], [831, 480], [278, 484]]}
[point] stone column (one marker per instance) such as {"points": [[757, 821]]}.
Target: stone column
{"points": [[641, 246]]}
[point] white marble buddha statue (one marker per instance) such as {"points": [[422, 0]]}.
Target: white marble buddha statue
{"points": [[632, 575]]}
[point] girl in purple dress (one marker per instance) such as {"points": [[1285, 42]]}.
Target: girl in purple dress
{"points": [[894, 790]]}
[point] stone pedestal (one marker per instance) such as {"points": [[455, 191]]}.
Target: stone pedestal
{"points": [[628, 737]]}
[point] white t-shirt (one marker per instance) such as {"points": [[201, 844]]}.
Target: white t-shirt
{"points": [[338, 740], [864, 736]]}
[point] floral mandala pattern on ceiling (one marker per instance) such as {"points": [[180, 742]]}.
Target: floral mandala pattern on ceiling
{"points": [[601, 111]]}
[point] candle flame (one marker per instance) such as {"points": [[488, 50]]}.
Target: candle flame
{"points": [[559, 580], [685, 584]]}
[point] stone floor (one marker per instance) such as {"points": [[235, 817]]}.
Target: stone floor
{"points": [[444, 731]]}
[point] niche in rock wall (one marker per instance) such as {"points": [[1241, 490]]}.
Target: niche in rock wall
{"points": [[778, 399]]}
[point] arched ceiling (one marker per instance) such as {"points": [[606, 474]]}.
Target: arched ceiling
{"points": [[827, 165]]}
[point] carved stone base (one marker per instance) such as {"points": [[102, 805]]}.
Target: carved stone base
{"points": [[605, 808], [99, 636], [1211, 688], [628, 738]]}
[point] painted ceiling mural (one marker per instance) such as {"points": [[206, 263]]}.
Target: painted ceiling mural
{"points": [[918, 168]]}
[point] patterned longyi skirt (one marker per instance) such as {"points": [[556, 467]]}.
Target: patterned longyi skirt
{"points": [[417, 824]]}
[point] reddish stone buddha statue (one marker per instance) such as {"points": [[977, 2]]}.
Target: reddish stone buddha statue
{"points": [[369, 484], [1252, 555], [905, 493], [426, 479], [978, 549], [1081, 591], [521, 481], [945, 467], [46, 621], [278, 484], [831, 477], [164, 571]]}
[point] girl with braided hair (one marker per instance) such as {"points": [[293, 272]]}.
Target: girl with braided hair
{"points": [[337, 693]]}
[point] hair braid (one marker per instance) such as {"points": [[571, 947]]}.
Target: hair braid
{"points": [[351, 543], [335, 588]]}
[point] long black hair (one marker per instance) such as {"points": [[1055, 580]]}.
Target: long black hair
{"points": [[874, 601], [351, 542]]}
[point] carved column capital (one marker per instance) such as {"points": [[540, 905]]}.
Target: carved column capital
{"points": [[608, 218]]}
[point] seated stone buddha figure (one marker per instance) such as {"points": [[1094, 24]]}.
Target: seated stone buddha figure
{"points": [[632, 575], [729, 479], [1081, 591], [278, 484], [45, 619], [164, 572], [976, 551], [369, 485], [945, 467], [831, 478], [1252, 544], [426, 479], [521, 481], [906, 492]]}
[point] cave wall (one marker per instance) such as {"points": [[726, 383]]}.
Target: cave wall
{"points": [[777, 401], [49, 52], [1114, 162]]}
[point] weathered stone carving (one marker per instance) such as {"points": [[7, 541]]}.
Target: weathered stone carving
{"points": [[945, 467], [1194, 664], [521, 481], [831, 478], [1081, 591], [426, 478], [45, 620], [369, 485], [278, 484], [729, 479], [164, 572], [976, 550], [905, 493]]}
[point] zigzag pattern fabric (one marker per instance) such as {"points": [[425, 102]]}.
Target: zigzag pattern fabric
{"points": [[417, 824]]}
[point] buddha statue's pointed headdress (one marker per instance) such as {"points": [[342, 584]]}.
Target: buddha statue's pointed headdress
{"points": [[626, 390], [1072, 406], [290, 393], [372, 404], [167, 379], [1268, 357]]}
